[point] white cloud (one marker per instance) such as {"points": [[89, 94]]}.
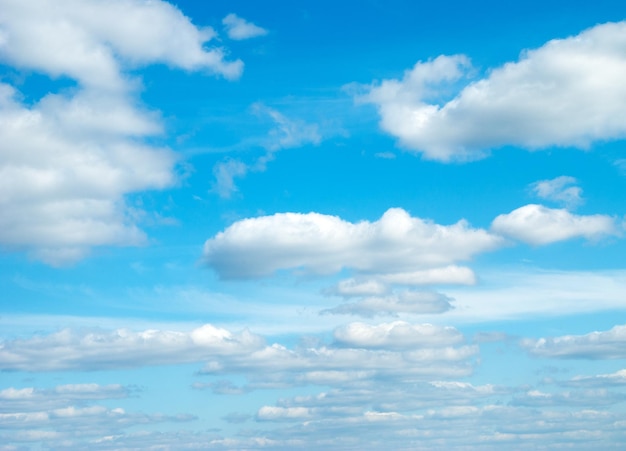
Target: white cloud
{"points": [[239, 29], [561, 189], [273, 413], [408, 351], [536, 224], [396, 335], [354, 287], [89, 40], [599, 381], [610, 344], [409, 302], [325, 244], [225, 173], [122, 348], [583, 398], [569, 92], [68, 160], [34, 399]]}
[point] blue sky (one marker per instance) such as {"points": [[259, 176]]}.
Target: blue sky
{"points": [[312, 225]]}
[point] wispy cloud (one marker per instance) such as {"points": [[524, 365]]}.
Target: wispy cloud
{"points": [[240, 29]]}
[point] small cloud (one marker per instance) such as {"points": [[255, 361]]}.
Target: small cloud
{"points": [[239, 29], [225, 173], [539, 225], [562, 190], [385, 155]]}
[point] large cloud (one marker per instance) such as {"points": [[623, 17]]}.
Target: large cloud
{"points": [[395, 350], [536, 224], [325, 244], [68, 159], [569, 92]]}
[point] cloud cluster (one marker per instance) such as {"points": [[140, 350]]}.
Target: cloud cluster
{"points": [[569, 92], [93, 350], [324, 244], [397, 350], [68, 159], [608, 344], [63, 416]]}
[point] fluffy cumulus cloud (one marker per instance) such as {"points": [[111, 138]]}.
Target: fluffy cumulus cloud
{"points": [[561, 189], [325, 244], [610, 344], [239, 29], [569, 92], [90, 41], [68, 159], [536, 224]]}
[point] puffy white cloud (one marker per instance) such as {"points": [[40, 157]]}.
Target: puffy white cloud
{"points": [[239, 29], [325, 244], [412, 302], [610, 344], [65, 165], [561, 189], [91, 350], [398, 334], [536, 224], [569, 92], [89, 40], [69, 159]]}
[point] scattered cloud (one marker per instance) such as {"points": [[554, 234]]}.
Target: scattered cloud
{"points": [[609, 344], [69, 159], [561, 189], [31, 399], [403, 302], [121, 348], [402, 351], [286, 133], [569, 92], [538, 225], [616, 379], [239, 29], [323, 244], [396, 335]]}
